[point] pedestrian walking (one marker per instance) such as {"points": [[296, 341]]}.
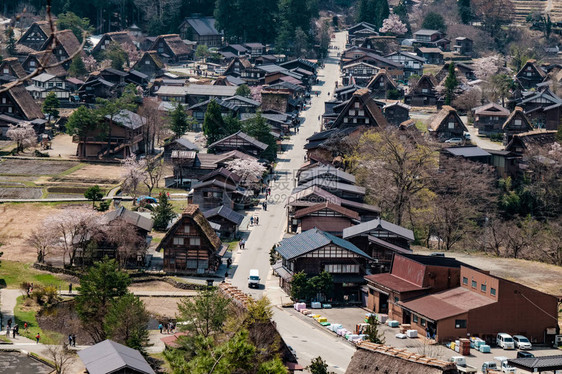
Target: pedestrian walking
{"points": [[14, 331], [243, 244], [74, 340], [252, 221], [70, 340], [70, 288], [226, 275], [228, 262], [160, 327], [257, 220], [37, 337], [25, 326]]}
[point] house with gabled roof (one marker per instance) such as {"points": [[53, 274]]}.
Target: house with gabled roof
{"points": [[170, 48], [423, 93], [119, 37], [530, 74], [325, 216], [431, 39], [16, 106], [191, 246], [543, 108], [150, 64], [180, 144], [464, 72], [36, 35], [234, 49], [46, 60], [522, 142], [212, 193], [516, 123], [67, 45], [412, 63], [360, 110], [447, 124], [324, 171], [228, 219], [489, 118], [433, 56], [314, 251], [342, 190], [381, 84], [237, 66], [239, 141], [380, 239], [45, 83], [11, 66], [396, 113], [111, 357], [201, 30], [123, 139]]}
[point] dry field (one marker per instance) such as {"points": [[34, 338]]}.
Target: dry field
{"points": [[95, 173], [540, 276], [16, 223], [34, 167], [20, 193], [162, 306]]}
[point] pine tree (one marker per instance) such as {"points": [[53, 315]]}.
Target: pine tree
{"points": [[11, 42], [163, 213], [51, 105], [382, 12], [450, 84], [372, 331], [77, 67], [178, 121], [213, 123], [465, 12], [258, 128]]}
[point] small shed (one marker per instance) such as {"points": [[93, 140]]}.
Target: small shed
{"points": [[111, 357]]}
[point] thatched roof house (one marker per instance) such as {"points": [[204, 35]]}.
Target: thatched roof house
{"points": [[377, 358]]}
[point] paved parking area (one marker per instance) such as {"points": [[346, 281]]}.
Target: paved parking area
{"points": [[18, 363]]}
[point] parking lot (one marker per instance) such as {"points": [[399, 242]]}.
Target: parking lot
{"points": [[351, 316]]}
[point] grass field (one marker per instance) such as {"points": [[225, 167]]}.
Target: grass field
{"points": [[27, 314], [14, 273]]}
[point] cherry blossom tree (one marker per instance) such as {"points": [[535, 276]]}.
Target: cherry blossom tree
{"points": [[133, 174], [486, 67], [393, 25], [250, 171], [133, 54], [23, 135], [90, 63], [44, 240]]}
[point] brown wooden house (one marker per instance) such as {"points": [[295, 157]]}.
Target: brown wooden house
{"points": [[239, 141], [543, 108], [361, 110], [124, 138], [396, 113], [170, 48], [36, 35], [120, 37], [150, 64], [67, 44], [423, 93], [331, 218], [180, 144], [17, 105], [191, 246], [213, 193], [11, 66], [43, 59], [201, 30], [238, 66], [380, 239], [530, 75], [314, 251], [489, 118], [516, 123], [447, 124], [381, 85], [228, 219]]}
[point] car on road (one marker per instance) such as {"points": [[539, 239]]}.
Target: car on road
{"points": [[454, 141], [254, 278], [523, 354], [522, 342], [505, 341]]}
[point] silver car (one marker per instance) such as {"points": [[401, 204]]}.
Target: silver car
{"points": [[522, 342]]}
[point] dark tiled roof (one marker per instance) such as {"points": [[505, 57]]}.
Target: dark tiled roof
{"points": [[128, 216], [467, 151], [224, 172], [546, 363], [109, 357], [244, 137], [321, 170], [204, 26], [378, 223], [313, 239], [128, 119], [186, 144], [327, 205], [226, 213]]}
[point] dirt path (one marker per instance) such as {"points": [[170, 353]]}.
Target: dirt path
{"points": [[540, 276]]}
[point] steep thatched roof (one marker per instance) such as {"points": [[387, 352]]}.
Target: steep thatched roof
{"points": [[376, 358], [23, 99]]}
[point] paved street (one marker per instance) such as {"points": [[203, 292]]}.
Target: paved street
{"points": [[309, 341]]}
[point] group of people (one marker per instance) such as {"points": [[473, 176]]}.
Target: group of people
{"points": [[167, 328], [15, 329], [254, 219], [71, 340]]}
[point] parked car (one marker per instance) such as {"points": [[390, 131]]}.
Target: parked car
{"points": [[454, 141], [504, 365], [505, 341], [522, 342], [489, 365], [523, 354], [293, 352]]}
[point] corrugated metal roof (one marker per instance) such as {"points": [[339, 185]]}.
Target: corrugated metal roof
{"points": [[313, 239], [365, 227], [467, 151], [226, 213], [108, 357], [209, 90]]}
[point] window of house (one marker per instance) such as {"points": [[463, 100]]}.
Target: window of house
{"points": [[356, 105], [366, 120], [351, 112], [186, 229], [195, 241], [460, 323], [529, 73], [517, 122], [361, 112], [424, 90], [423, 322], [451, 125], [147, 62], [474, 284], [32, 63], [415, 318], [178, 241], [493, 291], [483, 287], [395, 299], [3, 100], [6, 71], [465, 280], [10, 109], [381, 83]]}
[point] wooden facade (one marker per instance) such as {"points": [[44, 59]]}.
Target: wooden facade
{"points": [[241, 142], [447, 124], [191, 246]]}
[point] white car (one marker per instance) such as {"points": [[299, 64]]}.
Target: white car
{"points": [[454, 141], [522, 342]]}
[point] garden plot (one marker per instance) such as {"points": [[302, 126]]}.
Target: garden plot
{"points": [[20, 193], [34, 167]]}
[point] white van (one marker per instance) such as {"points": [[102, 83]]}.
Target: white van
{"points": [[505, 341], [254, 278]]}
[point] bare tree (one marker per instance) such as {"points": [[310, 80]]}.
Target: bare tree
{"points": [[551, 244], [464, 196], [61, 357], [395, 167], [23, 135], [153, 172], [133, 174], [73, 228], [522, 237], [154, 123], [44, 240], [125, 238], [468, 99]]}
